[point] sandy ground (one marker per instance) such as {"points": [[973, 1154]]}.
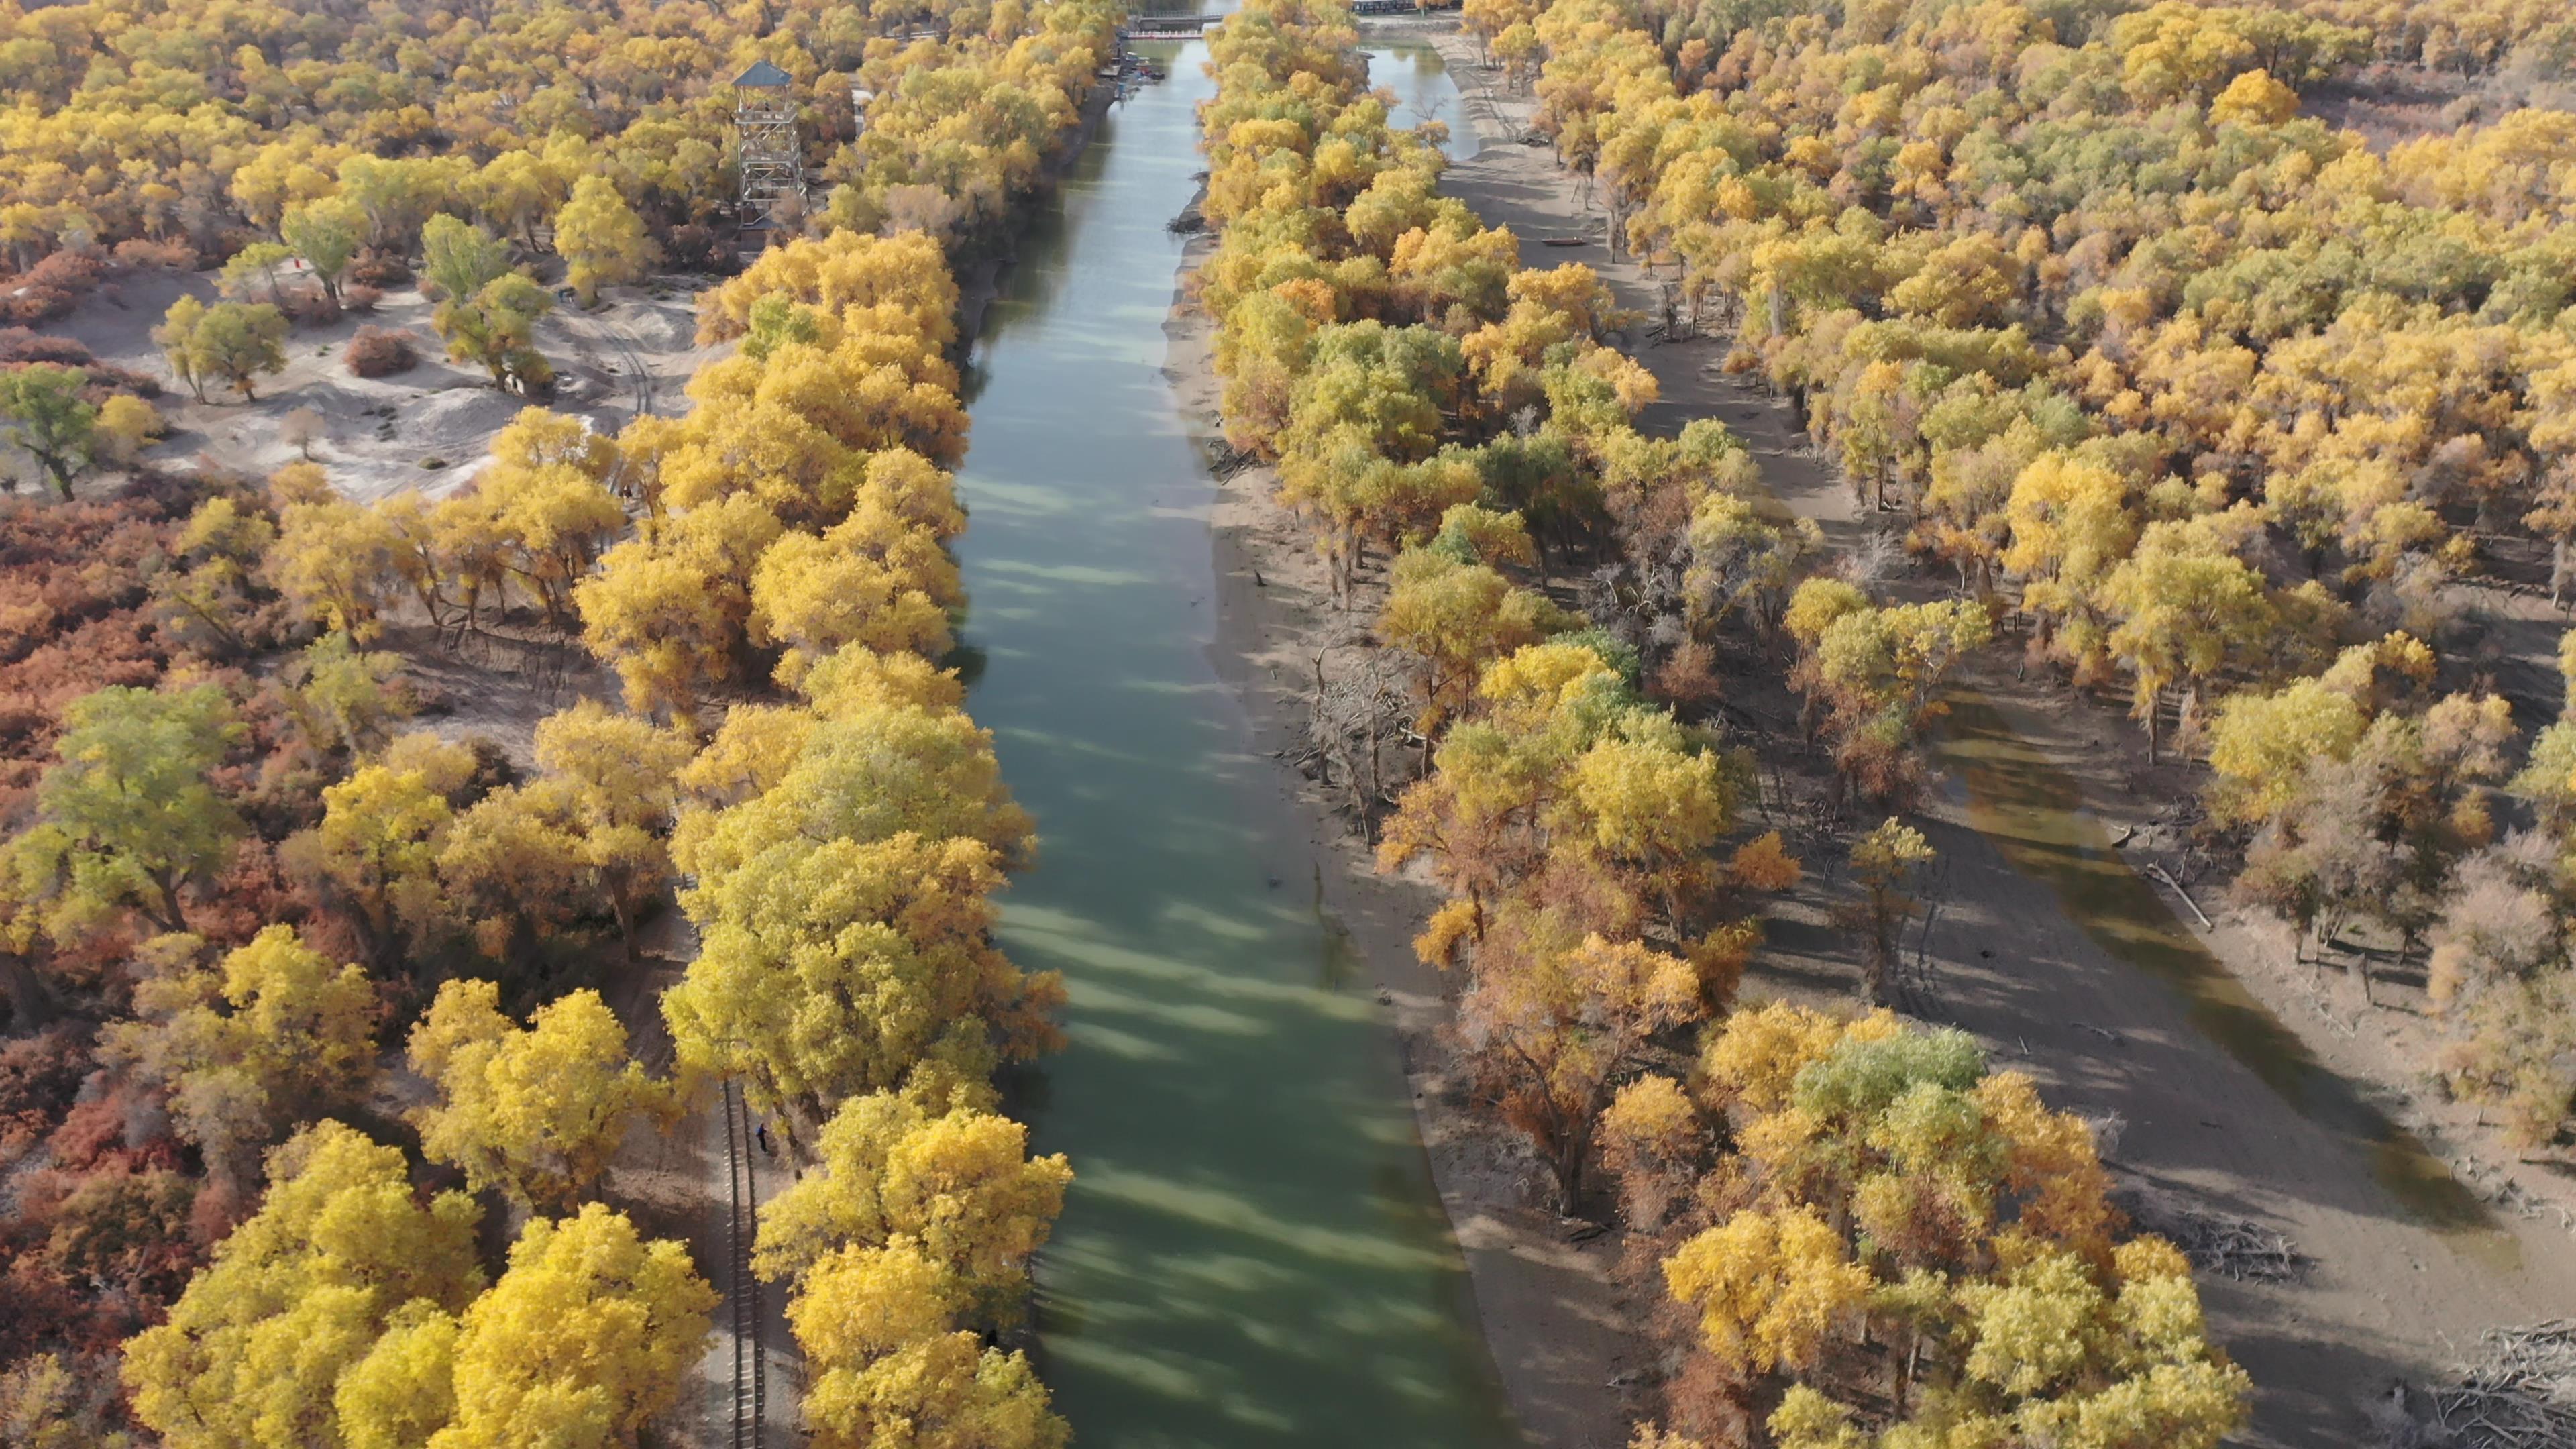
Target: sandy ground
{"points": [[2392, 1292], [428, 428]]}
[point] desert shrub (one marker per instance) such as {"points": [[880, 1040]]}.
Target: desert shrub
{"points": [[40, 1077], [140, 254], [19, 346], [381, 352], [125, 1230], [51, 288], [312, 308], [698, 249], [380, 270], [361, 299], [73, 584]]}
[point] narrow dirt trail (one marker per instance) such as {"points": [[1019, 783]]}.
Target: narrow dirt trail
{"points": [[700, 1182], [2066, 964]]}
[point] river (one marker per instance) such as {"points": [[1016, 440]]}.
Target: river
{"points": [[1252, 1253]]}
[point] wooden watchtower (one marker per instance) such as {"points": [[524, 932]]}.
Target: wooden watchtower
{"points": [[769, 156]]}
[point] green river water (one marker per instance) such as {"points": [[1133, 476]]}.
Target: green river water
{"points": [[1252, 1253]]}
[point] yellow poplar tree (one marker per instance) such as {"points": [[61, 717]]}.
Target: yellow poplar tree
{"points": [[959, 1186], [1771, 1287], [875, 1324], [601, 238], [253, 1351], [590, 1332], [276, 1033], [619, 774], [536, 1112]]}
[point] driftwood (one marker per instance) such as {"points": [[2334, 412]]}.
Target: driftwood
{"points": [[2520, 1395], [1225, 460], [2162, 874], [2242, 1249]]}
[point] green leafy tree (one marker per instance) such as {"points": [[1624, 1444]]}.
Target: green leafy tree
{"points": [[2187, 609], [254, 268], [129, 816], [236, 342], [495, 326], [458, 259], [326, 235], [45, 414]]}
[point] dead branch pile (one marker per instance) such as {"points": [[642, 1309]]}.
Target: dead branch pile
{"points": [[2232, 1247], [2522, 1395], [1356, 728], [1225, 459]]}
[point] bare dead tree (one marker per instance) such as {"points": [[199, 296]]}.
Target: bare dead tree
{"points": [[1915, 979], [1351, 722]]}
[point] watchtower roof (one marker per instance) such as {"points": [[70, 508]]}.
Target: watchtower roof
{"points": [[764, 76]]}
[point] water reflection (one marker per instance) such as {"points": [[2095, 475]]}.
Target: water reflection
{"points": [[1424, 91]]}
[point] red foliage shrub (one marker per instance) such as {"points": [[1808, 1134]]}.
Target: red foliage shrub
{"points": [[19, 346], [62, 280], [40, 1077], [360, 299], [699, 249], [74, 615], [42, 1307], [118, 1128], [141, 254], [126, 1230], [1688, 680], [253, 892], [312, 307], [381, 352], [93, 1135], [50, 288], [220, 1207]]}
